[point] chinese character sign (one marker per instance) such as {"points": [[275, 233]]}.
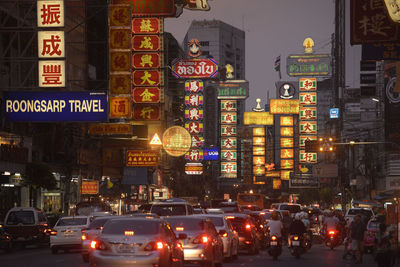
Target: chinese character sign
{"points": [[120, 107], [194, 86], [146, 112], [308, 84], [146, 95], [52, 73], [120, 84], [51, 44], [119, 16], [50, 13], [120, 39], [147, 26]]}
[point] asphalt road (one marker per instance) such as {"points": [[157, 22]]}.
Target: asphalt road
{"points": [[318, 256]]}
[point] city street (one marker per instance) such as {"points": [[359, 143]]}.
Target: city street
{"points": [[318, 256]]}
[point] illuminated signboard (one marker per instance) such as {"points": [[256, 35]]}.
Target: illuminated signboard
{"points": [[258, 118], [287, 131], [287, 153], [228, 105], [308, 113], [194, 68], [272, 173], [228, 142], [284, 106], [51, 44], [194, 127], [146, 60], [308, 157], [259, 131], [228, 117], [308, 84], [50, 13], [194, 154], [228, 167], [308, 98], [141, 158], [156, 8], [286, 121], [194, 114], [194, 168], [308, 127], [147, 77], [146, 112], [211, 153], [176, 141], [287, 164], [259, 170], [228, 130], [55, 106], [276, 184], [285, 175], [258, 141], [258, 160], [146, 26], [120, 107], [287, 142], [194, 100], [194, 86], [232, 89], [259, 150], [146, 95], [229, 155], [197, 141], [308, 65], [90, 187], [51, 73], [304, 138], [110, 128]]}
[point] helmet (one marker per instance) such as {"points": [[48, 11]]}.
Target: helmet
{"points": [[297, 216]]}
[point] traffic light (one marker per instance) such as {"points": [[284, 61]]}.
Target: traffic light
{"points": [[311, 146]]}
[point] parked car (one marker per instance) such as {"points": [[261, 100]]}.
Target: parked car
{"points": [[201, 241], [171, 208], [67, 233], [230, 238], [369, 238], [243, 224], [6, 242], [136, 241], [27, 226]]}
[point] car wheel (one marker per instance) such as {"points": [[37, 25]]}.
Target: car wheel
{"points": [[85, 257], [54, 250]]}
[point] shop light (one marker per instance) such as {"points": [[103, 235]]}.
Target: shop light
{"points": [[6, 173]]}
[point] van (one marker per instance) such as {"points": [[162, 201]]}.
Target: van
{"points": [[171, 209], [291, 207], [27, 225]]}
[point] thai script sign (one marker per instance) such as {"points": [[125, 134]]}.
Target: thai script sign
{"points": [[157, 8], [284, 106], [233, 89], [110, 128], [309, 65], [194, 68], [141, 158]]}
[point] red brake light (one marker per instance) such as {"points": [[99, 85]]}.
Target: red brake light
{"points": [[53, 232], [331, 232], [248, 226], [159, 245], [201, 239], [93, 244], [204, 239], [273, 238]]}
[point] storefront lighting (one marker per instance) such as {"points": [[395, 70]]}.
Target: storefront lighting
{"points": [[6, 173]]}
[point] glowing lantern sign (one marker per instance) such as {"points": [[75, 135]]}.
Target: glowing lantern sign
{"points": [[176, 141]]}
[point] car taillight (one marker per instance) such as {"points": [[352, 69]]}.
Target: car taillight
{"points": [[273, 238], [84, 237], [154, 246], [261, 226], [201, 239], [96, 244], [296, 238], [53, 232], [225, 235], [248, 226], [331, 232]]}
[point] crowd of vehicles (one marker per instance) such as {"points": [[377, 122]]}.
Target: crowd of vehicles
{"points": [[172, 233]]}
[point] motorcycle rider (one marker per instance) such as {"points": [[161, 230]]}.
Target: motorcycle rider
{"points": [[297, 226], [330, 222], [275, 226]]}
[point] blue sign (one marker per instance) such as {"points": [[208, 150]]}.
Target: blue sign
{"points": [[211, 153], [334, 113], [55, 106]]}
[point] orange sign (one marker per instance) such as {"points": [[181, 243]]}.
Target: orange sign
{"points": [[141, 158], [258, 141], [120, 84], [276, 183], [120, 107], [286, 121], [287, 153], [119, 15], [176, 141], [90, 187], [147, 112], [259, 131], [147, 26], [287, 164], [287, 142], [146, 43], [287, 131], [146, 95], [258, 150], [284, 106], [110, 128], [285, 175], [147, 78], [120, 39], [258, 160], [272, 174], [120, 61], [259, 170], [146, 60]]}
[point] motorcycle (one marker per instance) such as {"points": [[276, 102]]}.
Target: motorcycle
{"points": [[332, 239], [296, 246], [275, 247]]}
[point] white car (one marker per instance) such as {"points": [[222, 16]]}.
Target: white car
{"points": [[368, 213], [67, 233]]}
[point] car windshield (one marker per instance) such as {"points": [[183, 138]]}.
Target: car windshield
{"points": [[138, 227], [96, 224], [187, 224], [168, 210], [217, 221], [291, 208], [71, 221], [21, 217]]}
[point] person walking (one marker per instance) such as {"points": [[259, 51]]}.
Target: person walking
{"points": [[357, 229], [382, 244]]}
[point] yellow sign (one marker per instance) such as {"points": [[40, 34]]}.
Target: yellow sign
{"points": [[176, 141], [286, 121], [308, 45], [287, 153], [285, 175], [259, 170], [287, 131], [276, 183], [273, 174], [258, 160], [155, 140], [287, 142], [287, 164], [258, 118], [259, 131], [110, 128], [284, 106], [258, 150], [258, 141]]}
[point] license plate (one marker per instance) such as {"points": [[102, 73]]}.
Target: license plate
{"points": [[128, 248], [296, 243], [274, 243]]}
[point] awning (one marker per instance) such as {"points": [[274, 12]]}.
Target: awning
{"points": [[135, 176]]}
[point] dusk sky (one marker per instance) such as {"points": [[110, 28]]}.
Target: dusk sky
{"points": [[273, 28]]}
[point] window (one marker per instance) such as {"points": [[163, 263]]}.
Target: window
{"points": [[96, 224], [139, 227], [188, 224], [41, 217], [23, 217], [217, 221], [71, 221], [169, 210]]}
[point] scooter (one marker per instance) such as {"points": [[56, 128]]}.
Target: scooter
{"points": [[332, 239], [295, 244], [275, 247]]}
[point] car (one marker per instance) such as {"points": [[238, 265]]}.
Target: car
{"points": [[230, 238], [136, 241], [229, 207], [369, 238], [267, 215], [91, 233], [171, 209], [293, 208], [261, 226], [366, 214], [27, 226], [214, 211], [6, 242], [250, 207], [198, 211], [201, 241], [243, 224], [67, 233]]}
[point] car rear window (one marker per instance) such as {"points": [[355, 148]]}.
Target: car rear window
{"points": [[229, 209], [71, 221], [367, 213], [291, 208], [98, 223], [186, 224], [169, 210], [238, 223], [21, 217], [217, 221], [138, 227]]}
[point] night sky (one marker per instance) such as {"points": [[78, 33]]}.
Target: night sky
{"points": [[273, 28]]}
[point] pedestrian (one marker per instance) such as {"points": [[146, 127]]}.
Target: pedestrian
{"points": [[357, 229], [382, 244]]}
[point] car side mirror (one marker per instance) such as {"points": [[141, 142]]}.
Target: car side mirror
{"points": [[182, 236], [222, 232]]}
